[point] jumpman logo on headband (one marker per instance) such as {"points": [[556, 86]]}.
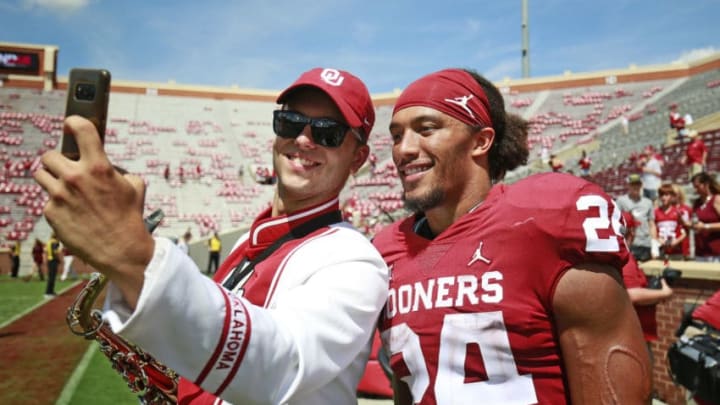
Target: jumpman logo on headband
{"points": [[462, 101]]}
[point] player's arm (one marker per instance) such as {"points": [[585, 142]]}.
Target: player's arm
{"points": [[600, 338], [401, 392]]}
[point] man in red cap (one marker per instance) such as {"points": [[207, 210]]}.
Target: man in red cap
{"points": [[500, 293], [289, 315]]}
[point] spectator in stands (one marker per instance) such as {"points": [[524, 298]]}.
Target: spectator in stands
{"points": [[52, 254], [625, 124], [643, 211], [651, 165], [292, 322], [373, 161], [214, 249], [545, 154], [184, 243], [585, 162], [677, 122], [688, 121], [181, 174], [685, 214], [695, 154], [555, 163], [15, 259], [37, 254], [166, 172], [644, 299], [263, 175], [669, 223], [707, 210], [241, 174]]}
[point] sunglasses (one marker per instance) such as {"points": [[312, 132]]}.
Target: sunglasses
{"points": [[325, 131]]}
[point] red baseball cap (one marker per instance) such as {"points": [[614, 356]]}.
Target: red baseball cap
{"points": [[346, 90]]}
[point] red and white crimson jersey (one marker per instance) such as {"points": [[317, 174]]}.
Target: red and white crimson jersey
{"points": [[469, 317], [297, 330], [669, 222]]}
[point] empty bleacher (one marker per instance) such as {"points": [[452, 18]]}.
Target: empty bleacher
{"points": [[205, 143]]}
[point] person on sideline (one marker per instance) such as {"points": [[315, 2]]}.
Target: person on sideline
{"points": [[670, 223], [643, 211], [15, 259], [52, 255], [290, 314], [37, 254], [214, 249], [706, 208], [500, 293]]}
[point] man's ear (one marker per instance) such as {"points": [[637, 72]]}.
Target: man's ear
{"points": [[359, 157], [482, 141]]}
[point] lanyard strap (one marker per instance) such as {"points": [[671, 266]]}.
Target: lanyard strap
{"points": [[242, 270]]}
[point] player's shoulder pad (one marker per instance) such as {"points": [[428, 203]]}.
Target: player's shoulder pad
{"points": [[550, 190]]}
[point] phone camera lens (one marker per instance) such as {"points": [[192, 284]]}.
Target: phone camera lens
{"points": [[85, 91]]}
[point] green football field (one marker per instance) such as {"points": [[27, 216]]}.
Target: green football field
{"points": [[40, 351]]}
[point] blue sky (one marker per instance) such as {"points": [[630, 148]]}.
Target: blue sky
{"points": [[265, 44]]}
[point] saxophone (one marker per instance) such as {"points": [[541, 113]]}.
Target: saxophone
{"points": [[151, 380]]}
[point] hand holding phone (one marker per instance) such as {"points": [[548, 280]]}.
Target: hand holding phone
{"points": [[88, 95]]}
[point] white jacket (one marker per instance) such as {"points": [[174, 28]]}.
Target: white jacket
{"points": [[307, 344]]}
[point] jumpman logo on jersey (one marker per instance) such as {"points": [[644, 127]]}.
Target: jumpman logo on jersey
{"points": [[462, 102], [478, 256]]}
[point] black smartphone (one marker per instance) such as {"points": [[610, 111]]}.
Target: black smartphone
{"points": [[88, 95]]}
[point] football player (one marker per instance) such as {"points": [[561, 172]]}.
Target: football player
{"points": [[500, 294]]}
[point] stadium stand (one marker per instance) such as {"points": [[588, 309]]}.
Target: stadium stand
{"points": [[203, 144]]}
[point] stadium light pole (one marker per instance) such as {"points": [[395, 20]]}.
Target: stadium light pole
{"points": [[525, 41]]}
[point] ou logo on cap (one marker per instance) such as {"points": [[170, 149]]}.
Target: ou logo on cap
{"points": [[332, 77]]}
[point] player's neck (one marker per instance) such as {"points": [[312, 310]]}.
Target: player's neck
{"points": [[440, 218]]}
